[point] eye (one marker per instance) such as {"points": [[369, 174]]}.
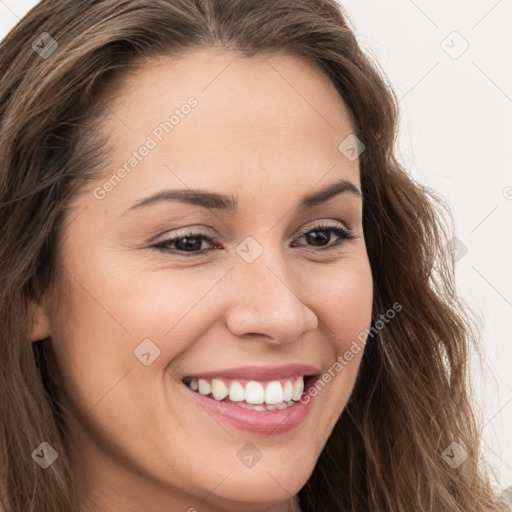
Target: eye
{"points": [[320, 235], [188, 243]]}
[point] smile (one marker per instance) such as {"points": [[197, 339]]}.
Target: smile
{"points": [[263, 407], [251, 394]]}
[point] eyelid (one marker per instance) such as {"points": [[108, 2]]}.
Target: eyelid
{"points": [[322, 224], [186, 231], [340, 230], [197, 230]]}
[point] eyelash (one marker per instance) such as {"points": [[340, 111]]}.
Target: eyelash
{"points": [[344, 234]]}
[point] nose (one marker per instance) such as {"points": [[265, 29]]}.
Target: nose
{"points": [[265, 302]]}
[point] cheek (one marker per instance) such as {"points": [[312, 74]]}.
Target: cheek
{"points": [[113, 312], [182, 304], [342, 297], [91, 342]]}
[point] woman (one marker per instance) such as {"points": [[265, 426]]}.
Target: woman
{"points": [[220, 290]]}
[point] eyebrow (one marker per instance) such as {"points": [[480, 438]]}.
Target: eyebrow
{"points": [[229, 203]]}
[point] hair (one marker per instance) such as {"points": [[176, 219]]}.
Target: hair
{"points": [[412, 395]]}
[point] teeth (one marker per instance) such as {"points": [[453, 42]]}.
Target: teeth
{"points": [[236, 391], [204, 387], [254, 392], [274, 395], [258, 407], [298, 388], [219, 389], [288, 391]]}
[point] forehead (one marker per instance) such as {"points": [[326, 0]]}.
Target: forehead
{"points": [[272, 120], [230, 76]]}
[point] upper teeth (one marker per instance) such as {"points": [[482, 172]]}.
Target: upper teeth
{"points": [[253, 392]]}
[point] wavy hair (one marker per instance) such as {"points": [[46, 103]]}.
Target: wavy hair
{"points": [[412, 397]]}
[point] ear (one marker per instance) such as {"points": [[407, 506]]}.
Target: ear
{"points": [[40, 322]]}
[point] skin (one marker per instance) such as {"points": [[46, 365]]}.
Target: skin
{"points": [[266, 130]]}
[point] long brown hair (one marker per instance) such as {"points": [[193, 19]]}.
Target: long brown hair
{"points": [[411, 399]]}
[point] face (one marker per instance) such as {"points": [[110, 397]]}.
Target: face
{"points": [[147, 295]]}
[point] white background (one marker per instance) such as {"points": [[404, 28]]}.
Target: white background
{"points": [[456, 137]]}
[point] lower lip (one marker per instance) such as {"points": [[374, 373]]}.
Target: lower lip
{"points": [[277, 421]]}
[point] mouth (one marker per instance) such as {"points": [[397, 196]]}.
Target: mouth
{"points": [[262, 407], [253, 395]]}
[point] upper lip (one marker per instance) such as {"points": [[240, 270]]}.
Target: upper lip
{"points": [[260, 373]]}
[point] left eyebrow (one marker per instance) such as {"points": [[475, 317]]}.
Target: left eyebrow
{"points": [[216, 201], [328, 192]]}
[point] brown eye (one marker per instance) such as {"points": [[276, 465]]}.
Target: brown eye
{"points": [[187, 244], [191, 244], [320, 236]]}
